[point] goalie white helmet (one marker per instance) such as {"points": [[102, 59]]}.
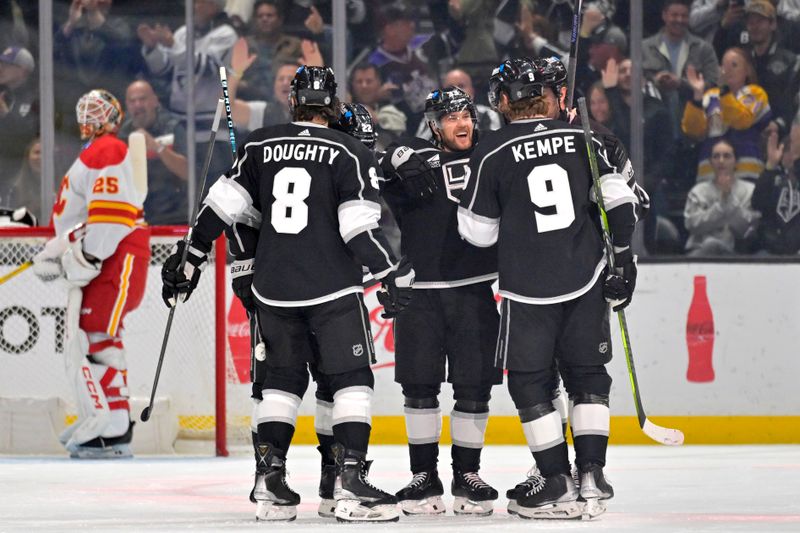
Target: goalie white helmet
{"points": [[98, 112]]}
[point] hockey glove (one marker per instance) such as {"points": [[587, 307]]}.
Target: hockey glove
{"points": [[179, 285], [242, 282], [619, 285], [395, 293], [47, 263], [416, 176]]}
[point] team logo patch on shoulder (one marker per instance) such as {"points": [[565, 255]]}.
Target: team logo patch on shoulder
{"points": [[304, 133], [540, 127]]}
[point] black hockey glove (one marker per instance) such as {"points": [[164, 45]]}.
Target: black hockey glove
{"points": [[416, 176], [242, 282], [179, 285], [619, 285], [395, 293]]}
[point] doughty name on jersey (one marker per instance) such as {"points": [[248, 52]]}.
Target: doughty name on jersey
{"points": [[300, 152], [541, 147]]}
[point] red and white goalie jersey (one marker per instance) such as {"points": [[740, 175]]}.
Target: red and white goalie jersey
{"points": [[99, 190]]}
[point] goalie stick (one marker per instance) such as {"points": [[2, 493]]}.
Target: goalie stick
{"points": [[145, 416], [671, 437]]}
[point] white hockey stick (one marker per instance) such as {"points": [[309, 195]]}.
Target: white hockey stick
{"points": [[670, 437]]}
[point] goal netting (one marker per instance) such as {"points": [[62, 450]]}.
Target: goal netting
{"points": [[203, 392]]}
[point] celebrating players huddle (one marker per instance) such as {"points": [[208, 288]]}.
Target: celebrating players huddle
{"points": [[302, 205]]}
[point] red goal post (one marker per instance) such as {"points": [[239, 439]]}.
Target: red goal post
{"points": [[204, 387]]}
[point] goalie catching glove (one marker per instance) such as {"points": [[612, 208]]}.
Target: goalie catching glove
{"points": [[178, 285], [395, 293], [65, 256], [417, 178], [619, 284]]}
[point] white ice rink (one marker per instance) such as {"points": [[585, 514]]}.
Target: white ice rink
{"points": [[691, 488]]}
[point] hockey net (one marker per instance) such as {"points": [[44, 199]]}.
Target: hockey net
{"points": [[204, 387]]}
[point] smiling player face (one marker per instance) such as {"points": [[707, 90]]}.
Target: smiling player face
{"points": [[456, 131]]}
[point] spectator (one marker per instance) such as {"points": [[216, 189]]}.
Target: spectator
{"points": [[272, 47], [718, 213], [776, 68], [19, 109], [777, 196], [599, 106], [167, 168], [24, 189], [166, 53], [603, 40], [707, 15], [367, 88], [488, 119], [535, 37], [91, 49], [476, 53], [400, 63], [667, 54], [738, 110]]}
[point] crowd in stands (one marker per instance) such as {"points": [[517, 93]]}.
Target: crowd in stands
{"points": [[720, 90]]}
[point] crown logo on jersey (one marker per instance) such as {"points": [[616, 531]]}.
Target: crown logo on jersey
{"points": [[304, 133], [540, 127]]}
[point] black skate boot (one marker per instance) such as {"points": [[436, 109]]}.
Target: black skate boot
{"points": [[521, 488], [552, 497], [357, 500], [423, 495], [276, 501], [594, 491], [472, 495], [327, 480]]}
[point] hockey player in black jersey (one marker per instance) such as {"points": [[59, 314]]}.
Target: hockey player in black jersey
{"points": [[531, 194], [316, 190], [449, 330], [355, 120]]}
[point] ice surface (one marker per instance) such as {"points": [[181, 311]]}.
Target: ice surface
{"points": [[690, 488]]}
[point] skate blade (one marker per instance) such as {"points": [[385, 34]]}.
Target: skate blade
{"points": [[327, 508], [428, 506], [554, 511], [353, 511], [269, 512], [118, 451], [592, 508], [513, 507], [466, 507]]}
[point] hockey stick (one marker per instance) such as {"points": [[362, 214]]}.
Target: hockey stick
{"points": [[573, 52], [223, 78], [186, 239], [672, 437], [19, 270]]}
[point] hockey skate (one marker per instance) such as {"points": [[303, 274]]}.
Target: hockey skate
{"points": [[327, 480], [521, 488], [423, 495], [594, 491], [357, 500], [275, 500], [472, 495], [102, 447], [553, 497]]}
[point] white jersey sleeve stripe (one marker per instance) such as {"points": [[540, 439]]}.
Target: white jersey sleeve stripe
{"points": [[227, 200], [477, 230], [357, 216], [616, 191]]}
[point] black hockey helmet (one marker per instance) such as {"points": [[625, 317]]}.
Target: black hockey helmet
{"points": [[519, 78], [444, 101], [554, 71], [312, 86], [355, 120]]}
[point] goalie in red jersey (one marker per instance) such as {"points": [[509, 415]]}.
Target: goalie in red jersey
{"points": [[102, 248]]}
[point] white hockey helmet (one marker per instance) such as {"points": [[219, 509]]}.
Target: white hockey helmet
{"points": [[98, 112]]}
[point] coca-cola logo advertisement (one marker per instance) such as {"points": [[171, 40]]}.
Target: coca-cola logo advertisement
{"points": [[238, 335]]}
